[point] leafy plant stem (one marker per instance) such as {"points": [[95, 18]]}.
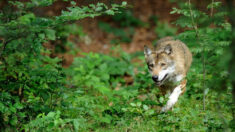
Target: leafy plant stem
{"points": [[192, 19], [204, 75], [212, 8], [203, 54]]}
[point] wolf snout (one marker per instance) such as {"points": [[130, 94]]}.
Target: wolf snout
{"points": [[155, 78]]}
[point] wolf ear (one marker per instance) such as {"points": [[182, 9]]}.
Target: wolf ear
{"points": [[147, 51], [168, 49]]}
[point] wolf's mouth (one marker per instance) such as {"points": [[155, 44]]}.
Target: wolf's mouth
{"points": [[160, 82]]}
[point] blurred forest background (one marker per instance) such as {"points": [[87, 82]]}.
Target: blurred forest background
{"points": [[78, 65]]}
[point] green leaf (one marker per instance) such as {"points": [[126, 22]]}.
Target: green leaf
{"points": [[50, 33], [124, 3], [21, 114], [150, 112], [133, 104], [14, 120], [124, 109], [18, 105], [76, 124], [73, 3], [109, 12], [145, 107], [138, 104], [2, 107], [214, 5], [99, 8], [26, 19], [175, 10], [105, 119], [161, 99], [12, 109]]}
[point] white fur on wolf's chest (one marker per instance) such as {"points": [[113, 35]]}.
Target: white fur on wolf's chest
{"points": [[176, 78], [173, 98], [163, 73], [170, 71], [179, 78]]}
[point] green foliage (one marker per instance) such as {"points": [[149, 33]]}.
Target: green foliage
{"points": [[96, 71], [99, 93], [96, 79], [208, 36], [125, 26], [164, 29], [31, 82], [121, 34], [206, 42], [126, 19], [50, 122], [62, 32]]}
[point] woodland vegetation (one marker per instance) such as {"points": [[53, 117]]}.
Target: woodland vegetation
{"points": [[112, 91]]}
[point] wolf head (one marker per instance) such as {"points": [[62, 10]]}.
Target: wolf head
{"points": [[160, 63]]}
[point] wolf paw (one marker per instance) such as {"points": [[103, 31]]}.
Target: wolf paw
{"points": [[173, 98]]}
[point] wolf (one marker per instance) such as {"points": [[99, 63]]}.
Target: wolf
{"points": [[168, 64]]}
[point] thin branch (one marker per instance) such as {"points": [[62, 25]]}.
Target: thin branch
{"points": [[192, 19], [204, 77], [212, 8]]}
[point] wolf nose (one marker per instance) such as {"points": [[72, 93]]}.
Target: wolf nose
{"points": [[155, 78]]}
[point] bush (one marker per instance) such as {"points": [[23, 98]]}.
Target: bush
{"points": [[31, 82]]}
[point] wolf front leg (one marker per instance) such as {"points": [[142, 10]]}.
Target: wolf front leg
{"points": [[173, 98]]}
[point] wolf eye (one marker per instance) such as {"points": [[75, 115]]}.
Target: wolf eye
{"points": [[163, 64], [150, 66]]}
